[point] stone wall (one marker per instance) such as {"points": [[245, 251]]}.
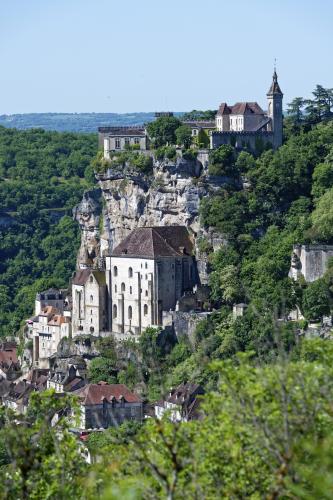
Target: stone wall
{"points": [[310, 261], [254, 141], [108, 414]]}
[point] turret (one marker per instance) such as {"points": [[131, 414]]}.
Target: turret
{"points": [[274, 97]]}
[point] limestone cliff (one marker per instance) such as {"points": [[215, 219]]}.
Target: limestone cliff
{"points": [[169, 196]]}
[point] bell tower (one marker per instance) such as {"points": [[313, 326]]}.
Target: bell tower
{"points": [[274, 98]]}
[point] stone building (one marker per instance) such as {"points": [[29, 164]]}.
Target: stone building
{"points": [[67, 381], [51, 297], [90, 302], [48, 328], [181, 403], [196, 126], [245, 124], [113, 139], [147, 273], [310, 261], [103, 405]]}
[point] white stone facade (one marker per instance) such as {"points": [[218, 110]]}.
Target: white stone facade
{"points": [[48, 328], [90, 306]]}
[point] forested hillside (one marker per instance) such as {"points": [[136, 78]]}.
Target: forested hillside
{"points": [[266, 419], [42, 176]]}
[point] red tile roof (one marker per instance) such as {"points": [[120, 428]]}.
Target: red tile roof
{"points": [[8, 355], [93, 394]]}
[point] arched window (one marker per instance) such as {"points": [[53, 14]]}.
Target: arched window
{"points": [[115, 271], [91, 279], [114, 310], [145, 310], [115, 289], [146, 293], [91, 298], [146, 265], [130, 290], [130, 272], [123, 287], [129, 312]]}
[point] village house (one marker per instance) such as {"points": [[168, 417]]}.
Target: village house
{"points": [[10, 367], [181, 404], [17, 398], [68, 381], [147, 273], [90, 302], [48, 328], [196, 126], [105, 405]]}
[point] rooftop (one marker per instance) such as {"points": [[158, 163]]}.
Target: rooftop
{"points": [[151, 242], [123, 131], [240, 108], [81, 276], [93, 394]]}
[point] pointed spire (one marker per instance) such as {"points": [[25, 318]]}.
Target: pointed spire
{"points": [[275, 87]]}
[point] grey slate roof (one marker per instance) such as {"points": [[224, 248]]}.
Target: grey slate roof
{"points": [[81, 276], [151, 242], [275, 87]]}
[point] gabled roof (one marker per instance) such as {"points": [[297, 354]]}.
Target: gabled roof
{"points": [[93, 394], [183, 394], [224, 109], [81, 276], [242, 108], [151, 242]]}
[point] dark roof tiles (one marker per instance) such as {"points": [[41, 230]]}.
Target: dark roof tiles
{"points": [[151, 242]]}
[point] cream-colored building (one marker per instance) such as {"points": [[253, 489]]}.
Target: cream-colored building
{"points": [[90, 305], [48, 328], [147, 274]]}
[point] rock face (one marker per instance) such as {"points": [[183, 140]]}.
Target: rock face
{"points": [[87, 213], [310, 261], [170, 196]]}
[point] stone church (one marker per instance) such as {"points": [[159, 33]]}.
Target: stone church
{"points": [[146, 274]]}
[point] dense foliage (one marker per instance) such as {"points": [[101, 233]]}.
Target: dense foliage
{"points": [[42, 176]]}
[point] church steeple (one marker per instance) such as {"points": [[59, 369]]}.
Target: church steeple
{"points": [[274, 111], [275, 87]]}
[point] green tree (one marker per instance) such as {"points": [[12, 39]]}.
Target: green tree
{"points": [[322, 217], [316, 300], [163, 130], [222, 161], [184, 136], [102, 370]]}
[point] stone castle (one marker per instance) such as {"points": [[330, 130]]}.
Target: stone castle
{"points": [[243, 125]]}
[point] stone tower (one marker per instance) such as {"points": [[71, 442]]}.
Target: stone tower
{"points": [[274, 97]]}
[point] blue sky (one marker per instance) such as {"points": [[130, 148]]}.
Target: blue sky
{"points": [[123, 56]]}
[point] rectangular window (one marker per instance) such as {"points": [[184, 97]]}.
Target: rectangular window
{"points": [[127, 141], [136, 140], [117, 143]]}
